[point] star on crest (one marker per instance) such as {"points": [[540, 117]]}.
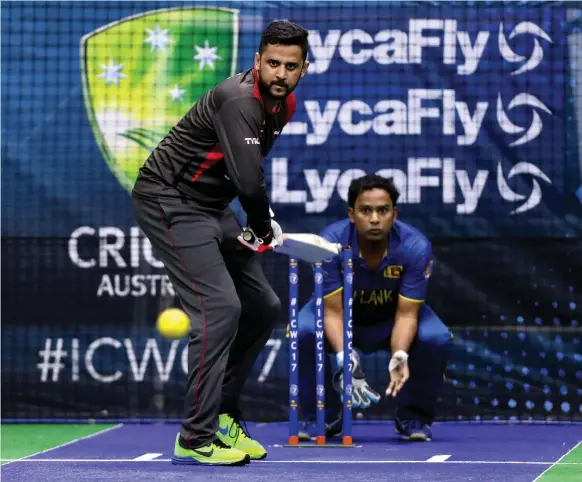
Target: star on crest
{"points": [[177, 93], [158, 38], [206, 55], [111, 73]]}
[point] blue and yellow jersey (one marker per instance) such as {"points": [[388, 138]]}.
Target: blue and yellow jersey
{"points": [[403, 273]]}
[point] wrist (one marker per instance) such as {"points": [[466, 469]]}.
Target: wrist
{"points": [[403, 334], [261, 227], [397, 359], [339, 358]]}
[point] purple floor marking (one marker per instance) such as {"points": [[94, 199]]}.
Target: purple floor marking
{"points": [[526, 443], [469, 442], [67, 472]]}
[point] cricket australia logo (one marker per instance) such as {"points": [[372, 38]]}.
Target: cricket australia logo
{"points": [[141, 74], [508, 194], [536, 125], [509, 54]]}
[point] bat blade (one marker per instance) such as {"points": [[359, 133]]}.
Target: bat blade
{"points": [[308, 247]]}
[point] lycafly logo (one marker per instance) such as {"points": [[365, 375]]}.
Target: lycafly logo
{"points": [[420, 110], [523, 169], [456, 186], [537, 53], [509, 127], [424, 37], [142, 73]]}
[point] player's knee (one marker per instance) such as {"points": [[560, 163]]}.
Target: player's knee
{"points": [[434, 333], [272, 307], [305, 336], [232, 310], [270, 310], [306, 324]]}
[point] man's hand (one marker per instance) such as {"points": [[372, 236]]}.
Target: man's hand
{"points": [[250, 240], [363, 395], [277, 232], [399, 373]]}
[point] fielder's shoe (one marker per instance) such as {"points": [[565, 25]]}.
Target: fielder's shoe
{"points": [[232, 434], [307, 430], [413, 430], [334, 428], [215, 453]]}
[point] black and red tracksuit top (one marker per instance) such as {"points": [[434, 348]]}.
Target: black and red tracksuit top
{"points": [[215, 152]]}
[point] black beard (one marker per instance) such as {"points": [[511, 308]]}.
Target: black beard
{"points": [[265, 90]]}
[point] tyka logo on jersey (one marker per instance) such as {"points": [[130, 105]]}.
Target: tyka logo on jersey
{"points": [[175, 55], [252, 140]]}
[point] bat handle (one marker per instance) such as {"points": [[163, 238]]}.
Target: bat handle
{"points": [[250, 237]]}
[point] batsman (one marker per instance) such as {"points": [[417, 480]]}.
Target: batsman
{"points": [[392, 263], [181, 202]]}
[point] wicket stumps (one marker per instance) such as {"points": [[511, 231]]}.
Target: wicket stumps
{"points": [[320, 354]]}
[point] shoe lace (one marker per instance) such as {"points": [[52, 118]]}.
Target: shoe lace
{"points": [[240, 429], [219, 443]]}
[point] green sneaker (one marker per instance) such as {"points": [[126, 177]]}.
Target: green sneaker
{"points": [[233, 435], [215, 453]]}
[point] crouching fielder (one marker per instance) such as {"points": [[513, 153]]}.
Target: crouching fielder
{"points": [[392, 267]]}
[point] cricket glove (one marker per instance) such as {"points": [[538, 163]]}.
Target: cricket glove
{"points": [[363, 395], [273, 239]]}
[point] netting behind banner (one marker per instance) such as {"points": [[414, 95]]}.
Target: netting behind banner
{"points": [[472, 107]]}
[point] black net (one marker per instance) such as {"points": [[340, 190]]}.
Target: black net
{"points": [[472, 107]]}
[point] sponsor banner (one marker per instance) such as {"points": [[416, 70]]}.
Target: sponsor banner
{"points": [[463, 108], [467, 109]]}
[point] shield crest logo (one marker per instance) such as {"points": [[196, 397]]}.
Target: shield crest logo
{"points": [[141, 74]]}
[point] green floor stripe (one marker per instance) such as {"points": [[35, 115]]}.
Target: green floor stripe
{"points": [[21, 440], [565, 473]]}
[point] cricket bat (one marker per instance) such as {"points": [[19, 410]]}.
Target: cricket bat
{"points": [[304, 246]]}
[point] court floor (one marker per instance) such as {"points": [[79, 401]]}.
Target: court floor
{"points": [[459, 452]]}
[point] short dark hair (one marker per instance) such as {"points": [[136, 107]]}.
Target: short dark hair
{"points": [[369, 182], [284, 32]]}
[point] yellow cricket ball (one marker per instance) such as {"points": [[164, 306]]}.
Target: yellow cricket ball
{"points": [[173, 323]]}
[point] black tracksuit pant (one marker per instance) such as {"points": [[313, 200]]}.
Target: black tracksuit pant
{"points": [[223, 290]]}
